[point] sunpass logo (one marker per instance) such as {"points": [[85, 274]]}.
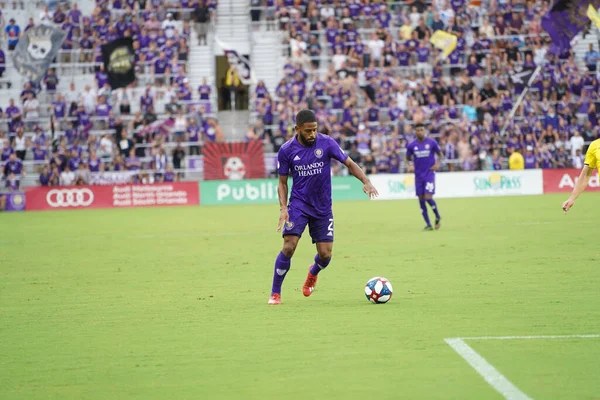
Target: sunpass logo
{"points": [[247, 191], [397, 186], [497, 181]]}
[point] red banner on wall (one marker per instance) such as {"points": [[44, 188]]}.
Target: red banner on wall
{"points": [[234, 161], [563, 180], [113, 196]]}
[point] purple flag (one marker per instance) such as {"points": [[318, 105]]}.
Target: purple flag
{"points": [[564, 21]]}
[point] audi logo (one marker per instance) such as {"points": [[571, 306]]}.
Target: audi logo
{"points": [[70, 197]]}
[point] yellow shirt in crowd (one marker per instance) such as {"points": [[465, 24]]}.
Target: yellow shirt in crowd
{"points": [[516, 161]]}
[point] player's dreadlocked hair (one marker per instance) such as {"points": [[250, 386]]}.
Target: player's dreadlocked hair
{"points": [[305, 116]]}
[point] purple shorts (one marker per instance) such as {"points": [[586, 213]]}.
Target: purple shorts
{"points": [[425, 186], [320, 229]]}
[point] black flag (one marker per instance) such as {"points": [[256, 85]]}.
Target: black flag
{"points": [[119, 62], [522, 77], [35, 51]]}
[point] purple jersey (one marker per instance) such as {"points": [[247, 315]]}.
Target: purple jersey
{"points": [[204, 91], [423, 54], [13, 167], [311, 172], [6, 152], [169, 177], [530, 161], [423, 154], [39, 154], [94, 165]]}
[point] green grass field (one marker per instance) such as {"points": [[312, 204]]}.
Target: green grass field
{"points": [[171, 303]]}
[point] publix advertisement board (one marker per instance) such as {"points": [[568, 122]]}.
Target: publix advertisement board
{"points": [[260, 191], [463, 184]]}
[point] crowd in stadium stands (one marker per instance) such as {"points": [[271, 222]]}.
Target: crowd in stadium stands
{"points": [[75, 133], [370, 72]]}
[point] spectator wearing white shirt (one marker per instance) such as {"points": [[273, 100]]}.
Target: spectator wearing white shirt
{"points": [[105, 150], [576, 143], [326, 12], [31, 107], [339, 59], [376, 46], [46, 17], [67, 177], [169, 26], [72, 95], [88, 98], [20, 144]]}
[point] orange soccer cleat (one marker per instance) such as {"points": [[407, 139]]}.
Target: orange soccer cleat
{"points": [[309, 283], [275, 299]]}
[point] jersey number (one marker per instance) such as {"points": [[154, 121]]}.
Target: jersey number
{"points": [[429, 186], [330, 227]]}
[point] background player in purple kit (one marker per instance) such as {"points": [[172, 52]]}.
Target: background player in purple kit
{"points": [[307, 157], [422, 152]]}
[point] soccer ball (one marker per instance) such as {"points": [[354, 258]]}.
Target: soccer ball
{"points": [[378, 290]]}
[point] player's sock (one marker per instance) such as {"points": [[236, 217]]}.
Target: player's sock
{"points": [[431, 202], [282, 266], [318, 265], [424, 212]]}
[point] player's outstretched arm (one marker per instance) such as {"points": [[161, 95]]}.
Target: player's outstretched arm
{"points": [[355, 170], [282, 192], [582, 182]]}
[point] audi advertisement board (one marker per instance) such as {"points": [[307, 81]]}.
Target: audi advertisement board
{"points": [[563, 180], [114, 196]]}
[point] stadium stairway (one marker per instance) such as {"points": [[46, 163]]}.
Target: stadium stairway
{"points": [[268, 59], [233, 25], [582, 45], [201, 64], [233, 29]]}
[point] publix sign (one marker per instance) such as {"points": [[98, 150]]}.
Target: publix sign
{"points": [[260, 191]]}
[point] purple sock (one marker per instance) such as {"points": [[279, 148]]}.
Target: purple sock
{"points": [[282, 266], [319, 265], [424, 211], [431, 202]]}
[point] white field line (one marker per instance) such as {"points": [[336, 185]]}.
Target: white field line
{"points": [[592, 336], [487, 370]]}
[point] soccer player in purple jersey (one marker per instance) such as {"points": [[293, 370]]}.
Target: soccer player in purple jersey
{"points": [[422, 153], [307, 157]]}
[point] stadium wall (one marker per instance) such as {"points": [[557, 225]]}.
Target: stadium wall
{"points": [[264, 191]]}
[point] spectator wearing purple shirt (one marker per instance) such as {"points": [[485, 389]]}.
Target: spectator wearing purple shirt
{"points": [[363, 139], [13, 166], [530, 159], [7, 150], [12, 182], [75, 14], [45, 175], [2, 63], [169, 175], [132, 162], [160, 67], [74, 160], [147, 99], [102, 108], [204, 90], [101, 77], [51, 81], [39, 154], [423, 52]]}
